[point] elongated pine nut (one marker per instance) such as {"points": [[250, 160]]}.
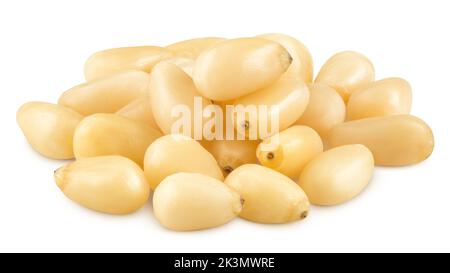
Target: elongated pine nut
{"points": [[106, 95], [270, 197], [111, 134], [234, 68], [49, 128], [192, 201], [381, 98], [112, 61], [396, 140], [110, 184], [346, 72], [337, 175], [172, 154]]}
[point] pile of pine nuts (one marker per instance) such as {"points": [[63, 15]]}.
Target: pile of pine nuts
{"points": [[118, 127]]}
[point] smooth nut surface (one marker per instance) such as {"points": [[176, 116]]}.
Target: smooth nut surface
{"points": [[172, 154], [192, 201], [270, 197], [107, 94], [110, 184], [290, 150], [396, 140], [171, 87], [325, 109], [381, 98], [237, 67], [337, 175], [192, 48], [111, 134], [49, 128], [140, 110], [186, 64], [346, 72], [114, 60]]}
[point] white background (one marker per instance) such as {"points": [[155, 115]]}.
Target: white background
{"points": [[43, 48]]}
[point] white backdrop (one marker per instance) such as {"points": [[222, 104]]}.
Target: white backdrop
{"points": [[43, 48]]}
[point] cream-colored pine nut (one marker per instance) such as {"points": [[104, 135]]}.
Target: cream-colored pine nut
{"points": [[193, 201], [291, 151], [390, 96], [49, 128], [270, 197], [302, 63], [111, 134], [346, 72], [177, 153], [170, 86], [140, 110], [108, 94], [396, 140], [337, 175], [110, 184], [234, 68], [112, 61], [325, 109]]}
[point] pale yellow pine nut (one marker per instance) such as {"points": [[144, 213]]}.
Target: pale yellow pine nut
{"points": [[177, 153], [337, 175], [170, 87], [114, 125], [194, 47], [231, 154], [270, 197], [112, 61], [381, 98], [108, 94], [192, 201], [49, 128], [141, 110], [346, 72], [186, 64], [325, 109], [290, 150], [111, 134], [109, 184], [395, 140], [291, 96], [234, 68], [302, 63]]}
